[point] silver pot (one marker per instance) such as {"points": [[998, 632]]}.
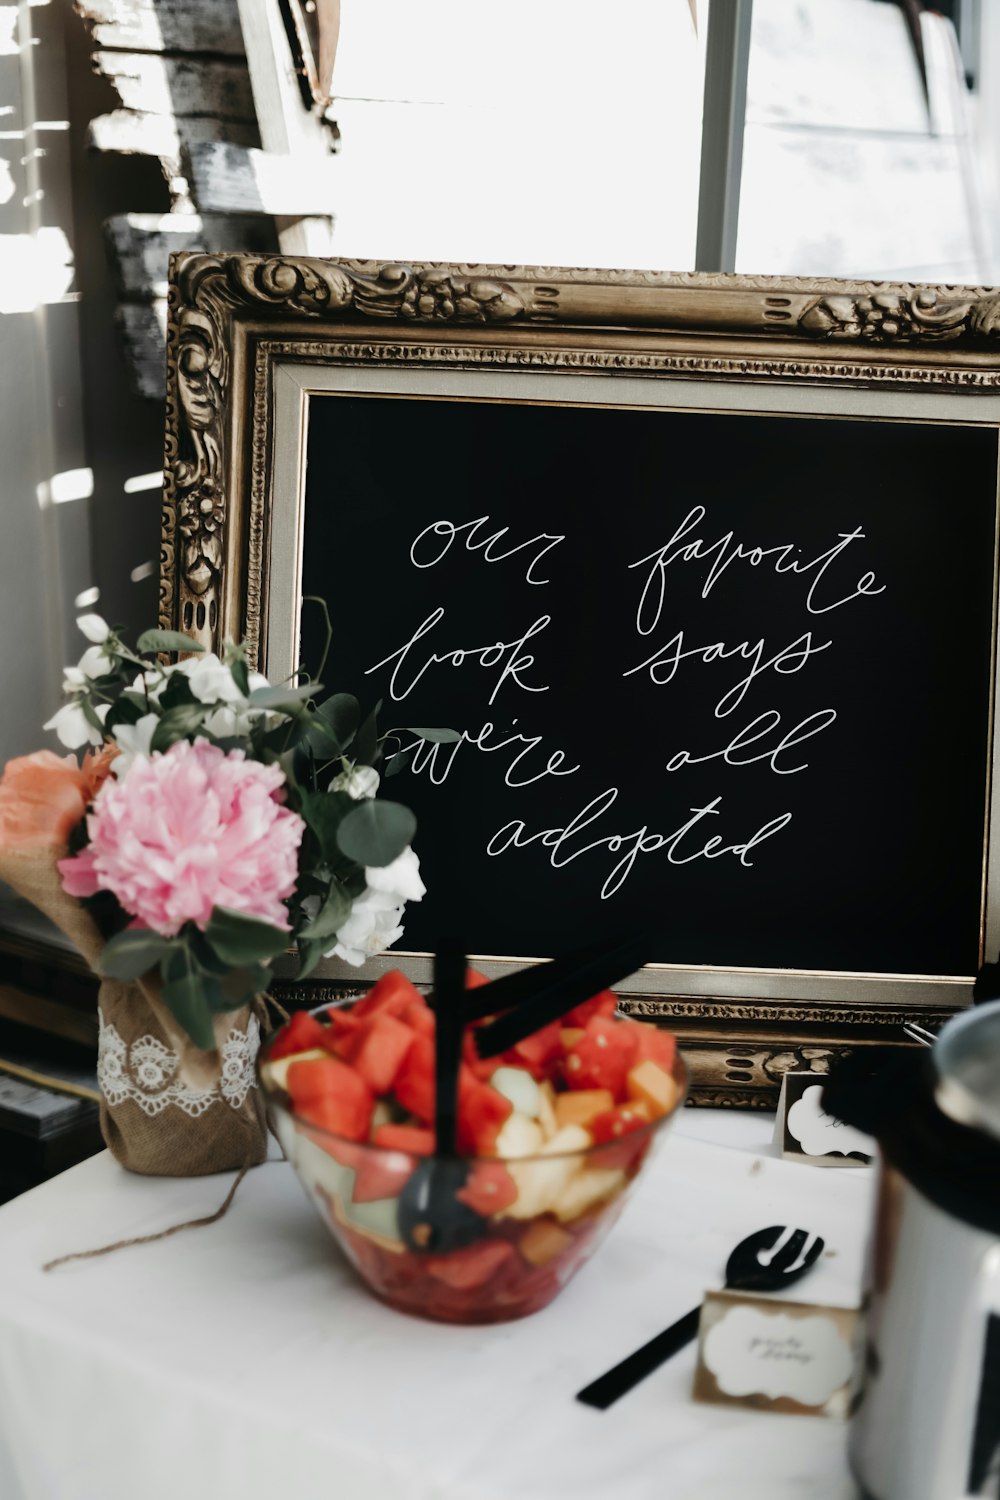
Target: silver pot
{"points": [[928, 1423]]}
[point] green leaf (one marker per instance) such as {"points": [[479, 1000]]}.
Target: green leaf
{"points": [[191, 996], [366, 740], [309, 956], [283, 699], [376, 832], [177, 691], [437, 736], [240, 940], [334, 724], [176, 724], [128, 709], [239, 986], [401, 760], [90, 713], [331, 916], [132, 953], [324, 812], [166, 640], [241, 675]]}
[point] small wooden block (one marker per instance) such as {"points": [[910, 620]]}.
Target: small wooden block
{"points": [[803, 1131], [777, 1356]]}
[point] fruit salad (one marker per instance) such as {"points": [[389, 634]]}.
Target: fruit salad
{"points": [[549, 1136]]}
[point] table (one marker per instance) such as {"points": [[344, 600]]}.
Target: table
{"points": [[244, 1361]]}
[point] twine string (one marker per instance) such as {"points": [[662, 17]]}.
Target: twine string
{"points": [[162, 1234]]}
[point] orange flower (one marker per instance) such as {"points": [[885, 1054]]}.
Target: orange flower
{"points": [[43, 797], [94, 771]]}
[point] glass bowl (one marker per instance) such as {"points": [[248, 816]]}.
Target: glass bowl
{"points": [[517, 1229]]}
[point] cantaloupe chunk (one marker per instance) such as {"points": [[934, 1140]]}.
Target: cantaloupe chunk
{"points": [[275, 1074], [587, 1189], [580, 1106], [570, 1035], [542, 1241], [652, 1086]]}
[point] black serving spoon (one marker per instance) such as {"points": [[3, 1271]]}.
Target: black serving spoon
{"points": [[547, 991], [431, 1219], [745, 1272]]}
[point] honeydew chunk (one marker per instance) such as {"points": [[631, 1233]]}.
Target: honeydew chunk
{"points": [[517, 1085], [540, 1183], [382, 1114], [317, 1168], [380, 1216], [519, 1136], [547, 1110], [585, 1189], [275, 1074]]}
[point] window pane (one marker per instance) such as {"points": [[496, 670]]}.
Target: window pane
{"points": [[849, 169], [562, 132]]}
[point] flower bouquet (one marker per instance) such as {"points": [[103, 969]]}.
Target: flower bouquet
{"points": [[213, 821]]}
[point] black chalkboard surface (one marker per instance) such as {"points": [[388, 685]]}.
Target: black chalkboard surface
{"points": [[730, 670]]}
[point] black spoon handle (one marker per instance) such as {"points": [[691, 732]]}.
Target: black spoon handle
{"points": [[605, 1391], [446, 1001]]}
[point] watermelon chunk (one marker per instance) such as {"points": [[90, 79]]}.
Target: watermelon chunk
{"points": [[328, 1093], [601, 1059], [391, 994], [301, 1033], [404, 1138], [380, 1049]]}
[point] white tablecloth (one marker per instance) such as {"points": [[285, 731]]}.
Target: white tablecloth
{"points": [[245, 1362]]}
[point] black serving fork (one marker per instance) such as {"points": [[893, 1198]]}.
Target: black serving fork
{"points": [[767, 1261]]}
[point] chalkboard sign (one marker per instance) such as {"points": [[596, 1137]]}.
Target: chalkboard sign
{"points": [[730, 671], [703, 569]]}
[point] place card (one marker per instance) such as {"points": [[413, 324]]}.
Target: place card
{"points": [[770, 1355], [803, 1131]]}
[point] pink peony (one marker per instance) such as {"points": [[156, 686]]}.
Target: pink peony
{"points": [[189, 830]]}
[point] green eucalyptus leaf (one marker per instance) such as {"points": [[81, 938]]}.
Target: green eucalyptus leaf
{"points": [[335, 723], [437, 736], [132, 953], [191, 995], [331, 916], [239, 940], [376, 832], [400, 761], [365, 745], [166, 640], [128, 709], [239, 986], [310, 954], [241, 674], [176, 724], [283, 699], [177, 691], [324, 812]]}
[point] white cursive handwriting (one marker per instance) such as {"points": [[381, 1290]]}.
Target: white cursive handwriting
{"points": [[489, 657], [662, 665], [514, 835], [725, 551], [435, 540]]}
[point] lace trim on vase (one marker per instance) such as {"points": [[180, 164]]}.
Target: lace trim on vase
{"points": [[146, 1071]]}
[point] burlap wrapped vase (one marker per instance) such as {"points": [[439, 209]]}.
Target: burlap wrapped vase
{"points": [[169, 1108]]}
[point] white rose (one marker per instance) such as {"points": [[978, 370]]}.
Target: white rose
{"points": [[400, 879], [94, 662], [210, 679], [132, 740], [358, 782], [374, 924], [74, 728], [94, 628]]}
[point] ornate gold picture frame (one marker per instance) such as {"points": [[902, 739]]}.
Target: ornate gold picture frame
{"points": [[255, 342]]}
